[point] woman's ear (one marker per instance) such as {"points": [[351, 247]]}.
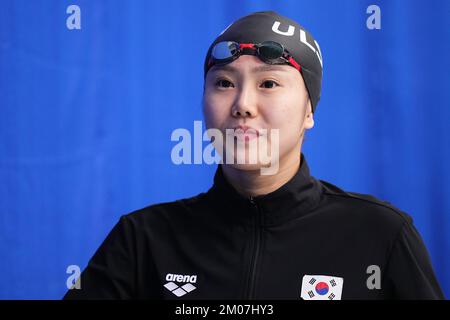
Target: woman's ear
{"points": [[309, 116]]}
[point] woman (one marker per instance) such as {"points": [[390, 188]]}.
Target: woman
{"points": [[263, 234]]}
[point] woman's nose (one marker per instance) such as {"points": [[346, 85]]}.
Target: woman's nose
{"points": [[245, 104]]}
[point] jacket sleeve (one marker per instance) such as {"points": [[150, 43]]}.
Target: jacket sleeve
{"points": [[409, 269], [110, 274]]}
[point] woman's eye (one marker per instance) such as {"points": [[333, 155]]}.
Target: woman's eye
{"points": [[224, 83], [269, 84]]}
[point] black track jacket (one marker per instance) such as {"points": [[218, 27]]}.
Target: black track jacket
{"points": [[307, 240]]}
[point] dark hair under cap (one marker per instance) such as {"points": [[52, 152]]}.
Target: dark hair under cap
{"points": [[271, 26]]}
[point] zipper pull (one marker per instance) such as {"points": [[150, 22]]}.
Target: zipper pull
{"points": [[253, 201]]}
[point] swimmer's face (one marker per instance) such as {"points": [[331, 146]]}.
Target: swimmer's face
{"points": [[251, 93]]}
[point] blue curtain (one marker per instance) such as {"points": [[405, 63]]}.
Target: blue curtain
{"points": [[86, 118]]}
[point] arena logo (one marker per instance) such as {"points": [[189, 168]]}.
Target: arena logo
{"points": [[181, 277], [237, 146], [179, 289]]}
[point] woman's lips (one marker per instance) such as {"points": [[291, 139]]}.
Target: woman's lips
{"points": [[245, 133]]}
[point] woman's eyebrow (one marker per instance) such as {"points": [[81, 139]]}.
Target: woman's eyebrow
{"points": [[261, 68], [225, 67], [269, 67]]}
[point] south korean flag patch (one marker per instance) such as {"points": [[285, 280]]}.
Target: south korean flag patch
{"points": [[321, 287]]}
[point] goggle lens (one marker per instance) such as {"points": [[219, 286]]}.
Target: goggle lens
{"points": [[270, 50], [225, 50]]}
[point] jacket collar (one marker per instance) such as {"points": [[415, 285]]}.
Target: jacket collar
{"points": [[295, 198]]}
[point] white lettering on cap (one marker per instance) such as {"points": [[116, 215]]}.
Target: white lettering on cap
{"points": [[290, 32], [319, 53], [225, 29], [276, 29]]}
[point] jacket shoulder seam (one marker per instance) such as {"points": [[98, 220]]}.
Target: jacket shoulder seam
{"points": [[377, 203]]}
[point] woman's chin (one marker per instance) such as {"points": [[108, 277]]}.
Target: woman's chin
{"points": [[245, 166]]}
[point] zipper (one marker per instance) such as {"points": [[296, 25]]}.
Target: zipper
{"points": [[257, 240]]}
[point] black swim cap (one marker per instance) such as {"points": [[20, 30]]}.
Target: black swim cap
{"points": [[270, 26]]}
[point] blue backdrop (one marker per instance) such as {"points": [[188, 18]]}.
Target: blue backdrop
{"points": [[86, 118]]}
